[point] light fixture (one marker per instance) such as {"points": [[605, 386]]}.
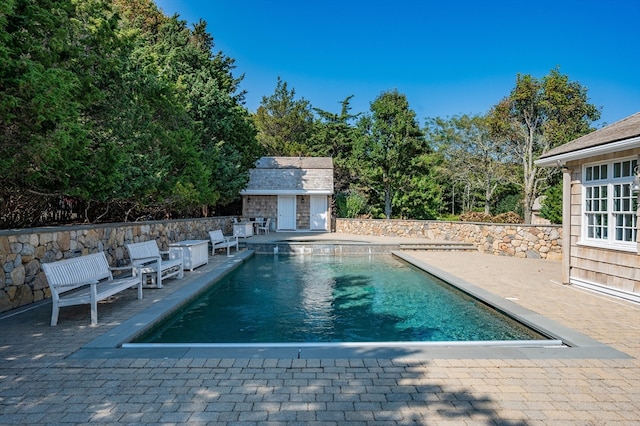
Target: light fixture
{"points": [[635, 187], [562, 166]]}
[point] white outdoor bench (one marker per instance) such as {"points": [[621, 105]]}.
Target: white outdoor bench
{"points": [[85, 280], [218, 240], [155, 264]]}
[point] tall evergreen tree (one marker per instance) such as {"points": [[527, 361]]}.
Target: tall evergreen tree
{"points": [[284, 124], [392, 157], [42, 140], [334, 137], [112, 104]]}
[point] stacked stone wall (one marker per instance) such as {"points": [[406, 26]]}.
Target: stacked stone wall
{"points": [[525, 241], [23, 251]]}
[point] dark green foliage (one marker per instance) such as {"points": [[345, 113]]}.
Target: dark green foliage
{"points": [[285, 125], [42, 140], [334, 137], [393, 161], [122, 109], [351, 205], [123, 113], [552, 204], [509, 202]]}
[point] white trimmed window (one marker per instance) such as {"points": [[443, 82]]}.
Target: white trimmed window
{"points": [[609, 206]]}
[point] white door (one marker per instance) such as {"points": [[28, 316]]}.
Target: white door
{"points": [[318, 212], [286, 213]]}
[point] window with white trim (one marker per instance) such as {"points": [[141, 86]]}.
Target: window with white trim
{"points": [[609, 205]]}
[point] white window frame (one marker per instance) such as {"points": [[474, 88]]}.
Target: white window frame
{"points": [[604, 196]]}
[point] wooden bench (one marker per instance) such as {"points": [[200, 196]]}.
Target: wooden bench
{"points": [[155, 264], [218, 240], [85, 280]]}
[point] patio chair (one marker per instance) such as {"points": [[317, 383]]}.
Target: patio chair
{"points": [[264, 228]]}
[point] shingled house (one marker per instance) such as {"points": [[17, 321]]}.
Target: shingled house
{"points": [[601, 180], [294, 192]]}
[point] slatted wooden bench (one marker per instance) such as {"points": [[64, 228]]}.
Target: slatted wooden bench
{"points": [[85, 280], [155, 264], [218, 240]]}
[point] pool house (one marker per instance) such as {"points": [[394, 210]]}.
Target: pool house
{"points": [[293, 192], [601, 194]]}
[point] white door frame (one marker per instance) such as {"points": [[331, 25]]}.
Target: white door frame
{"points": [[286, 213], [318, 213]]}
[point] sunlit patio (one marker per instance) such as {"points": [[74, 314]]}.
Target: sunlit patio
{"points": [[45, 380]]}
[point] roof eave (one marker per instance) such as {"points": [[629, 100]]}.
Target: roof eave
{"points": [[581, 154], [286, 192]]}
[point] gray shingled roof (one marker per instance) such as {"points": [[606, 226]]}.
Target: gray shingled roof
{"points": [[294, 162], [291, 174], [626, 128]]}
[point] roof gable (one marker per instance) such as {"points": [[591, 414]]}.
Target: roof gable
{"points": [[626, 128]]}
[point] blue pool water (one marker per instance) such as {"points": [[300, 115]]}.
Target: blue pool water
{"points": [[333, 299]]}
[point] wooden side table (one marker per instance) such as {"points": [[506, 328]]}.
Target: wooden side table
{"points": [[195, 253]]}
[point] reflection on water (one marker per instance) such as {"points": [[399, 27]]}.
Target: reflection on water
{"points": [[333, 299]]}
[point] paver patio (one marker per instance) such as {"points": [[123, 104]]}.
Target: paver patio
{"points": [[41, 384]]}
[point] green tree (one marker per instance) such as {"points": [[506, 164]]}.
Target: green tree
{"points": [[227, 139], [284, 124], [350, 204], [118, 107], [197, 142], [552, 203], [538, 115], [475, 161], [334, 137], [42, 140], [392, 156]]}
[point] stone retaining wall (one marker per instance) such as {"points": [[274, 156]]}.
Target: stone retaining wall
{"points": [[530, 241], [21, 251]]}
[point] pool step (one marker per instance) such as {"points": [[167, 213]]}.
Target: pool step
{"points": [[351, 247], [440, 246]]}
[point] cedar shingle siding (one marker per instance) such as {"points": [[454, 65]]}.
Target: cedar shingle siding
{"points": [[597, 264]]}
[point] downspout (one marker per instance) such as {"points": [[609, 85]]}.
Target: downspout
{"points": [[566, 224]]}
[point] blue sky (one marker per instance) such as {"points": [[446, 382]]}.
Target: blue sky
{"points": [[448, 57]]}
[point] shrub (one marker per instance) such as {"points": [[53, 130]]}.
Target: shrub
{"points": [[508, 217], [552, 204], [351, 205], [475, 217]]}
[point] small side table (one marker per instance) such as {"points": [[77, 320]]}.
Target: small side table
{"points": [[195, 253], [243, 229]]}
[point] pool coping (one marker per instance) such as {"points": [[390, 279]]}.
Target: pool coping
{"points": [[110, 344]]}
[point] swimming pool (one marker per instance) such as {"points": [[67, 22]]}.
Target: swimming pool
{"points": [[296, 299]]}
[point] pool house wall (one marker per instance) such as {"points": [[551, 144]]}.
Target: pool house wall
{"points": [[599, 268], [22, 251]]}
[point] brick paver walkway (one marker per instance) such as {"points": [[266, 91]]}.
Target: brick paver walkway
{"points": [[40, 385]]}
